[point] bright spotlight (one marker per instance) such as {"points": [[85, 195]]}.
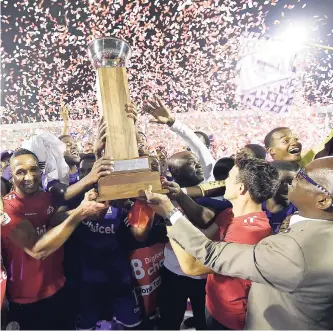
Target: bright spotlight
{"points": [[280, 51], [293, 38]]}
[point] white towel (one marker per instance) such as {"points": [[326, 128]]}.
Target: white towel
{"points": [[50, 152]]}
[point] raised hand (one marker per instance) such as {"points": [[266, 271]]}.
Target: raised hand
{"points": [[102, 167], [100, 140], [174, 189], [91, 195], [159, 111], [159, 203], [64, 113], [132, 111], [90, 207]]}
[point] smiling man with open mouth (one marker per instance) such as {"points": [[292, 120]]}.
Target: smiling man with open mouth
{"points": [[283, 145]]}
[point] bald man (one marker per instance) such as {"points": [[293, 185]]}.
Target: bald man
{"points": [[176, 287], [186, 169], [291, 272]]}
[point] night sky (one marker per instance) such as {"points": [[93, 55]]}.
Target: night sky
{"points": [[184, 51]]}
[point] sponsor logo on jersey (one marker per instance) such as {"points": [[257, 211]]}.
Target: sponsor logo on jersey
{"points": [[250, 219], [148, 289], [13, 325], [146, 263], [154, 257], [10, 197], [41, 229], [126, 221], [96, 227], [5, 220], [3, 276], [50, 210]]}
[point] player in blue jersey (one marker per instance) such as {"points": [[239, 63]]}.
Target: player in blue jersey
{"points": [[72, 196], [278, 208], [72, 158], [106, 280]]}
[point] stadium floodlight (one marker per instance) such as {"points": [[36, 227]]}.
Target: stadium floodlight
{"points": [[293, 38]]}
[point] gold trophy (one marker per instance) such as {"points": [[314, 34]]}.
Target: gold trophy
{"points": [[132, 173]]}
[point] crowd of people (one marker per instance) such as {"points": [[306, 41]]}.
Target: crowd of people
{"points": [[219, 126], [243, 237], [246, 238]]}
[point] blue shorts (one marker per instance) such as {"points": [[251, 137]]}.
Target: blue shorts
{"points": [[104, 302]]}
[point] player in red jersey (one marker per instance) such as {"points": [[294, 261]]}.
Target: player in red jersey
{"points": [[31, 247], [250, 182]]}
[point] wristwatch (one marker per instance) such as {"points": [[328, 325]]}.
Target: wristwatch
{"points": [[173, 216]]}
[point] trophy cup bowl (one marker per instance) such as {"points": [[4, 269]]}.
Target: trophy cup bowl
{"points": [[109, 52]]}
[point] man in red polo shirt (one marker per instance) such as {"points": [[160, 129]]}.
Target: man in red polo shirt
{"points": [[250, 182], [226, 297], [31, 248]]}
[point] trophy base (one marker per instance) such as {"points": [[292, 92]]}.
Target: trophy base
{"points": [[128, 185]]}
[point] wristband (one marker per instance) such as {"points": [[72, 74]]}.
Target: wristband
{"points": [[202, 190], [175, 217]]}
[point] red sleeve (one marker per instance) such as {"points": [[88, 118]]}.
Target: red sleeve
{"points": [[12, 217], [140, 214]]}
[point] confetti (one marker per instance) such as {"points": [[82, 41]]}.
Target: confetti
{"points": [[187, 52]]}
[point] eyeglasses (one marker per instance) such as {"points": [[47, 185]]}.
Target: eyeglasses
{"points": [[303, 174]]}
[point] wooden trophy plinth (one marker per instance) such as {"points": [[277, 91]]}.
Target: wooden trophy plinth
{"points": [[128, 185], [130, 178], [132, 175]]}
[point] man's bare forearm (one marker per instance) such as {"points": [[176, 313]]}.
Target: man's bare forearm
{"points": [[200, 216], [65, 129], [57, 236], [78, 188], [66, 193], [60, 216], [189, 265], [24, 235]]}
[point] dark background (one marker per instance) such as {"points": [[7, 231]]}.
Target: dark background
{"points": [[44, 46]]}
